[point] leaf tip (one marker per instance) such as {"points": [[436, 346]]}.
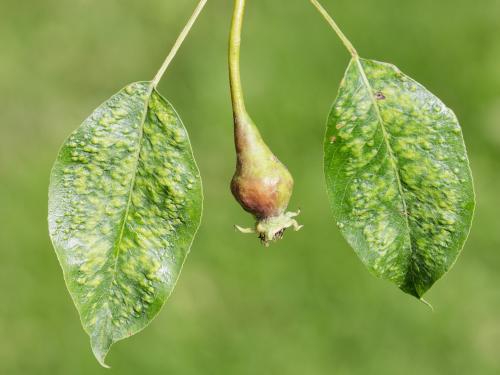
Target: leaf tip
{"points": [[426, 303], [100, 347], [100, 356]]}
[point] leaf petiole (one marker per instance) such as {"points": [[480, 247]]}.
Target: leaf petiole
{"points": [[178, 42], [336, 28]]}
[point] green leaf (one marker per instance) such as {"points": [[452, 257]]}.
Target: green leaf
{"points": [[125, 202], [398, 176]]}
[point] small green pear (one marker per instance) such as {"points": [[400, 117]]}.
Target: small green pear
{"points": [[261, 184]]}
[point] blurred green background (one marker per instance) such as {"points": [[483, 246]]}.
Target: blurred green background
{"points": [[306, 305]]}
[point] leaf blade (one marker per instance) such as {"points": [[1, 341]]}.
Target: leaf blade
{"points": [[396, 168], [125, 202]]}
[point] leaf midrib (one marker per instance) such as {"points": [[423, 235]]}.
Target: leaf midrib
{"points": [[391, 158], [118, 241]]}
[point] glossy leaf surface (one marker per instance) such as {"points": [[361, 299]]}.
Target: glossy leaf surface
{"points": [[398, 176], [125, 202]]}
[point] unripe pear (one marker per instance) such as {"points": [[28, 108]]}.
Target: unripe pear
{"points": [[261, 184]]}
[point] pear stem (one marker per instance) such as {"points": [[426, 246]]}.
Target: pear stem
{"points": [[178, 43], [237, 99]]}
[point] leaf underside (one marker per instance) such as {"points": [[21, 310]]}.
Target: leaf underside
{"points": [[125, 202], [397, 175]]}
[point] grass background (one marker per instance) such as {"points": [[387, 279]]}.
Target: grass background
{"points": [[306, 305]]}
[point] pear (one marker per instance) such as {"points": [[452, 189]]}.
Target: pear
{"points": [[261, 184]]}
